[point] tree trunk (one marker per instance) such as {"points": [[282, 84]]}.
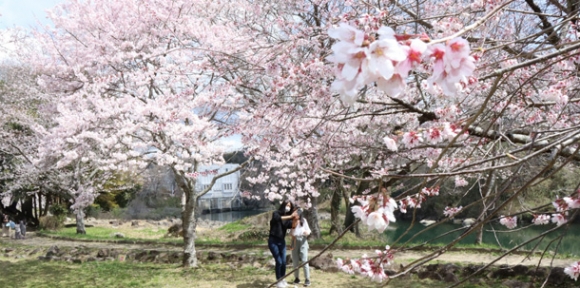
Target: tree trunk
{"points": [[39, 206], [489, 184], [334, 210], [189, 225], [312, 218], [80, 222], [28, 210], [349, 218], [479, 236]]}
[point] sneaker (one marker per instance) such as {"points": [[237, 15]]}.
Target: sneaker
{"points": [[297, 281], [281, 284], [307, 283]]}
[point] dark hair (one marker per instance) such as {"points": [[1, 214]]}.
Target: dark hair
{"points": [[301, 215], [283, 206]]}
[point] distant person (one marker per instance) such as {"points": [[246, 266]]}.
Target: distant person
{"points": [[17, 234], [11, 226], [280, 222], [5, 228], [300, 251], [23, 228]]}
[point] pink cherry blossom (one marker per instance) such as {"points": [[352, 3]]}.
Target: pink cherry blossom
{"points": [[347, 33], [377, 220], [391, 144], [573, 203], [352, 60], [451, 211], [573, 270], [392, 86], [414, 56], [559, 219], [359, 212], [560, 204], [541, 219], [456, 50], [382, 54], [460, 181], [509, 222], [412, 139], [452, 64], [430, 191], [433, 135], [403, 205]]}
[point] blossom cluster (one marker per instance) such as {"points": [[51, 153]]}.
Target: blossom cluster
{"points": [[573, 270], [451, 211], [414, 201], [433, 135], [509, 222], [202, 173], [562, 206], [368, 267], [541, 219], [378, 55], [376, 211]]}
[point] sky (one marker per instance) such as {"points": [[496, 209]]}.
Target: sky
{"points": [[24, 13]]}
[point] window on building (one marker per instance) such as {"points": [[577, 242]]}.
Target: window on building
{"points": [[228, 186], [205, 186]]}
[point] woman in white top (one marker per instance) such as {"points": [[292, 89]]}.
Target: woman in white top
{"points": [[300, 251]]}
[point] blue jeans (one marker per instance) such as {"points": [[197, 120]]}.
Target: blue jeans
{"points": [[278, 250]]}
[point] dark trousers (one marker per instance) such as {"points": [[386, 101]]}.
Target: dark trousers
{"points": [[278, 250]]}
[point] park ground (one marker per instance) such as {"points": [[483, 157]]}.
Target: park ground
{"points": [[24, 269]]}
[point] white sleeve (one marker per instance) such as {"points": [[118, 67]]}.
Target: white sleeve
{"points": [[306, 228]]}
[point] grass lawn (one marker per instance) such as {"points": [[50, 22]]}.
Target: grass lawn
{"points": [[241, 233], [38, 274]]}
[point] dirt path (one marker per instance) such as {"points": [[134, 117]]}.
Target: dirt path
{"points": [[400, 258]]}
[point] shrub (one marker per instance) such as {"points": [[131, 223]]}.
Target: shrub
{"points": [[58, 211], [118, 213], [93, 210], [50, 223]]}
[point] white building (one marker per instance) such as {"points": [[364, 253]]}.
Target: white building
{"points": [[224, 192]]}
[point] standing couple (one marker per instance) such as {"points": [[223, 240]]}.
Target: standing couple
{"points": [[281, 221]]}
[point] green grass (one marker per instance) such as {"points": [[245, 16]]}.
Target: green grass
{"points": [[37, 274], [156, 235], [228, 235], [233, 227]]}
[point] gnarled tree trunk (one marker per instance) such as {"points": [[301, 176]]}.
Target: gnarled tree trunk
{"points": [[189, 225], [80, 215], [312, 218], [335, 201]]}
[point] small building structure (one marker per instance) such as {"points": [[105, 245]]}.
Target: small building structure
{"points": [[225, 193]]}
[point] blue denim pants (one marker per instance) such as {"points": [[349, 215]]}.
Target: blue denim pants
{"points": [[278, 249]]}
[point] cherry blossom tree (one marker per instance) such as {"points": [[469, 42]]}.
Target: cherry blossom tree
{"points": [[133, 85], [426, 92], [25, 114]]}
